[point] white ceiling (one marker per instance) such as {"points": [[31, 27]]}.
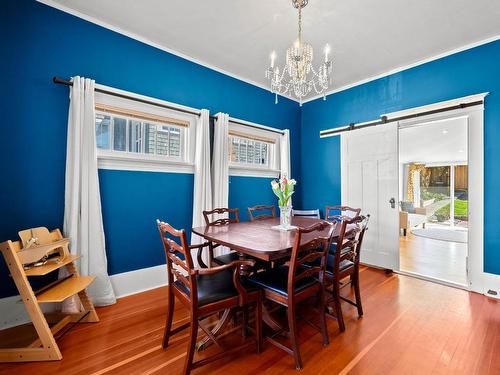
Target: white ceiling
{"points": [[437, 142], [368, 38]]}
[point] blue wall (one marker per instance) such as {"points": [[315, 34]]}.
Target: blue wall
{"points": [[470, 72], [247, 192], [39, 42]]}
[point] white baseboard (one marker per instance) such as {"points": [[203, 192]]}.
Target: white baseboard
{"points": [[491, 285], [13, 312], [128, 283]]}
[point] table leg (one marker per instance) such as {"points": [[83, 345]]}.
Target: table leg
{"points": [[266, 315], [269, 320], [244, 270], [228, 314], [219, 327]]}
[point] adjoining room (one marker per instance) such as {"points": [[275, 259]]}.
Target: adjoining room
{"points": [[225, 187], [434, 199]]}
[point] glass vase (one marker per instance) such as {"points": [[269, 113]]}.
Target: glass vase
{"points": [[285, 216]]}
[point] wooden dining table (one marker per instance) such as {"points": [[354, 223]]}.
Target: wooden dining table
{"points": [[260, 239]]}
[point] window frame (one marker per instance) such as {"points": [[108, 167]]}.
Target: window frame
{"points": [[272, 170], [135, 161]]}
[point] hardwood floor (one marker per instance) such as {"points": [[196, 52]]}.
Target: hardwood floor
{"points": [[410, 326], [429, 257]]}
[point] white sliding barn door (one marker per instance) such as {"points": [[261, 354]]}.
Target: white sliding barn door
{"points": [[370, 181]]}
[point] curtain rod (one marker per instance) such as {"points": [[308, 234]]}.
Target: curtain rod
{"points": [[255, 126], [145, 101], [385, 119], [61, 81]]}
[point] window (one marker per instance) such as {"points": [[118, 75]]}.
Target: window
{"points": [[136, 136], [118, 133], [253, 152], [247, 151]]}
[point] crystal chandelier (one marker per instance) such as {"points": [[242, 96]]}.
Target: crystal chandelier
{"points": [[298, 77]]}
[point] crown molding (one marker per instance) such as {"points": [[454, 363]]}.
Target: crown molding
{"points": [[94, 20], [119, 30], [405, 67]]}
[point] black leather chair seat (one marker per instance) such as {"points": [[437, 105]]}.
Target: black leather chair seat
{"points": [[345, 264], [212, 288], [226, 258], [276, 279], [329, 264]]}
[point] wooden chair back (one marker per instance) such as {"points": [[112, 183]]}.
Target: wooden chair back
{"points": [[332, 212], [306, 213], [179, 259], [316, 247], [183, 283], [349, 241], [221, 216], [269, 212]]}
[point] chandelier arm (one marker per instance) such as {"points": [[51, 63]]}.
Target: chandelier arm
{"points": [[315, 74]]}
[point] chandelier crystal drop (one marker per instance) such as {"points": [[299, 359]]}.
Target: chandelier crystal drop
{"points": [[299, 77]]}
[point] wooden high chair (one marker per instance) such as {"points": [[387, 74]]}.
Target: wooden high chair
{"points": [[36, 341]]}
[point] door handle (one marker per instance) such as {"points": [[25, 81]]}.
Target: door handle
{"points": [[392, 201]]}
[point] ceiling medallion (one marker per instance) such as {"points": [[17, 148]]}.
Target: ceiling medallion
{"points": [[298, 77]]}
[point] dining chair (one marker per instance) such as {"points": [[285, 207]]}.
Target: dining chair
{"points": [[269, 212], [205, 292], [344, 262], [306, 213], [335, 211], [290, 284], [220, 217]]}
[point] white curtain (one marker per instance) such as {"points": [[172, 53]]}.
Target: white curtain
{"points": [[220, 167], [82, 200], [202, 193], [285, 153]]}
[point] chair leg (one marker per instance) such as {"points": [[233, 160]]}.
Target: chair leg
{"points": [[292, 324], [193, 334], [358, 293], [338, 307], [322, 318], [258, 324], [170, 315]]}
